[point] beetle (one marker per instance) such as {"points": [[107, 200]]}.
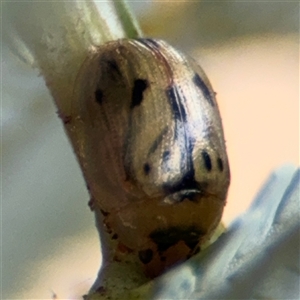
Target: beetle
{"points": [[152, 149]]}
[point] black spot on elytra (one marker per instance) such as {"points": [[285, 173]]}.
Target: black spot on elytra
{"points": [[138, 89], [166, 238], [220, 164], [166, 155], [204, 89], [176, 104], [145, 256], [147, 168], [207, 160], [99, 96]]}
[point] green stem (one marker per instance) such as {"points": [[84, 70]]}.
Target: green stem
{"points": [[129, 22]]}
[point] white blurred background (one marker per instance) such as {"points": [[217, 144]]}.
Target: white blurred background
{"points": [[250, 52]]}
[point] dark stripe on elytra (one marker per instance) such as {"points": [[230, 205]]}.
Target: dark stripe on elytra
{"points": [[137, 97], [157, 141], [166, 238], [204, 89], [99, 98], [177, 107], [220, 164], [149, 43], [139, 86], [187, 181], [207, 160], [113, 66], [152, 149]]}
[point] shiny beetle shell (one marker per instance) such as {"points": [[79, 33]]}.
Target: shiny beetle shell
{"points": [[152, 149]]}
